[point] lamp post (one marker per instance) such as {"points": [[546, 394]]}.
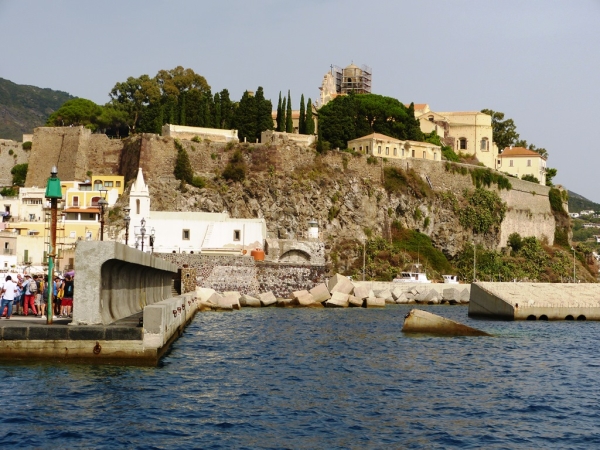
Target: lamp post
{"points": [[364, 255], [127, 222], [152, 234], [102, 203], [53, 193], [474, 261], [143, 231]]}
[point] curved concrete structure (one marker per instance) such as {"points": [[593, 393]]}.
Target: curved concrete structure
{"points": [[114, 281]]}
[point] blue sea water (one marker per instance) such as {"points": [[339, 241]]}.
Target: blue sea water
{"points": [[321, 379]]}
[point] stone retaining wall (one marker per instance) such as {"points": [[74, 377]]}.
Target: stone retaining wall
{"points": [[244, 275]]}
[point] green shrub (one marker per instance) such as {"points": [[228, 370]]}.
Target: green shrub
{"points": [[8, 192], [426, 223], [236, 168], [485, 177], [484, 211], [27, 145], [19, 174], [10, 152], [198, 182], [531, 178], [197, 139], [515, 242], [556, 203], [372, 160]]}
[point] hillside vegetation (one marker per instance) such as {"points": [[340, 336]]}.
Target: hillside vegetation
{"points": [[23, 108]]}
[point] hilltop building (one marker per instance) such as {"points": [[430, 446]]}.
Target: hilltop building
{"points": [[519, 161], [350, 79], [382, 146]]}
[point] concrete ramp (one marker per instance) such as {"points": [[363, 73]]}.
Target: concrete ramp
{"points": [[535, 301]]}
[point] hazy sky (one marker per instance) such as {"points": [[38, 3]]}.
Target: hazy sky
{"points": [[536, 61]]}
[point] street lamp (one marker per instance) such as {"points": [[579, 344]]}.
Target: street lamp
{"points": [[53, 193], [143, 231], [152, 234], [127, 222], [102, 203]]}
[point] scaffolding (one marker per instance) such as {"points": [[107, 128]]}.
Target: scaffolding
{"points": [[352, 79]]}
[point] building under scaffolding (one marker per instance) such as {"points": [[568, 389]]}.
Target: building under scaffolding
{"points": [[352, 79]]}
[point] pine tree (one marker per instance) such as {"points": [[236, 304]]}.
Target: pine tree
{"points": [[283, 111], [279, 113], [289, 123], [302, 118], [310, 123]]}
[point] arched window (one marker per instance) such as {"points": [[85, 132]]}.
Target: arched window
{"points": [[137, 206], [424, 155], [75, 201], [462, 143], [95, 201], [431, 118], [387, 150], [395, 151]]}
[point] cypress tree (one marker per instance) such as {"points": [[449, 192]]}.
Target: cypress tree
{"points": [[264, 113], [182, 118], [310, 123], [217, 104], [226, 109], [302, 118], [279, 113], [283, 110], [183, 168], [289, 123], [245, 118]]}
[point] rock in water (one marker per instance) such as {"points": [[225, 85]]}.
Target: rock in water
{"points": [[417, 321]]}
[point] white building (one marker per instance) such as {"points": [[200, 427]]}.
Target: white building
{"points": [[197, 232]]}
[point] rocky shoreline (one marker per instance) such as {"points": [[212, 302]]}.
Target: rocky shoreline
{"points": [[339, 292]]}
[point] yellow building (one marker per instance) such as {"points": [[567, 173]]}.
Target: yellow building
{"points": [[520, 161], [382, 146]]}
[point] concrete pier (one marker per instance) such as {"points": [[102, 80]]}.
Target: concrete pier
{"points": [[535, 301]]}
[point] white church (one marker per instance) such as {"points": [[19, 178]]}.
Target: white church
{"points": [[189, 232]]}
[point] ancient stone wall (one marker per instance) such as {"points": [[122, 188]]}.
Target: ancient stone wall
{"points": [[104, 155], [230, 273], [11, 154]]}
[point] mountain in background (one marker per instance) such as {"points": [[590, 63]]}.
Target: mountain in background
{"points": [[579, 203], [22, 108]]}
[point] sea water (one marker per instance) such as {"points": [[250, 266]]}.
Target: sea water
{"points": [[321, 379]]}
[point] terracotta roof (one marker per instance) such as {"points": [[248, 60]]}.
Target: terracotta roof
{"points": [[377, 136], [518, 151]]}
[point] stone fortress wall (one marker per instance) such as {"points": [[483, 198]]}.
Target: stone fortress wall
{"points": [[11, 154]]}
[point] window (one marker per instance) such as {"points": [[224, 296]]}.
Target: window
{"points": [[367, 149], [402, 152], [528, 163], [76, 201], [237, 235], [185, 235], [97, 185], [395, 152], [379, 149], [5, 245], [95, 201], [435, 156], [387, 150], [137, 206], [72, 234], [484, 145], [353, 149], [430, 118], [511, 163], [462, 143], [117, 183], [424, 155], [31, 217], [108, 184], [499, 162], [413, 153]]}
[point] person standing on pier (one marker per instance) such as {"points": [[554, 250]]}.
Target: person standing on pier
{"points": [[67, 300], [8, 293], [29, 290]]}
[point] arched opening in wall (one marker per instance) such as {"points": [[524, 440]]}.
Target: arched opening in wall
{"points": [[137, 206], [95, 201], [569, 317], [543, 317], [531, 317], [295, 256], [581, 317]]}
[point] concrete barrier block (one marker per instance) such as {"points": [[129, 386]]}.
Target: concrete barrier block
{"points": [[298, 294], [340, 283], [287, 302], [355, 301], [451, 294], [361, 292], [267, 299], [401, 299], [385, 294], [374, 302], [250, 302], [465, 295], [320, 293], [235, 294], [306, 300], [214, 299], [398, 292], [230, 301], [338, 300], [204, 293]]}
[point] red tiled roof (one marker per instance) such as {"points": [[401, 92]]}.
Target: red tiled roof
{"points": [[518, 151]]}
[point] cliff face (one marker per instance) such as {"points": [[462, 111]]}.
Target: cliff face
{"points": [[346, 195]]}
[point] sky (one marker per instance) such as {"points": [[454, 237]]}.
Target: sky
{"points": [[537, 61]]}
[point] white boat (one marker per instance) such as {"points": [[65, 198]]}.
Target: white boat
{"points": [[450, 279], [414, 275]]}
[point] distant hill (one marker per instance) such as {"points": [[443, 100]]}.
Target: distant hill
{"points": [[579, 203], [22, 108]]}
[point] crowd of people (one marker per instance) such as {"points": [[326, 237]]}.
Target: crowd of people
{"points": [[28, 294]]}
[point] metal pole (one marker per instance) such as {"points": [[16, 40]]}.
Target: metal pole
{"points": [[573, 264], [51, 255], [474, 262]]}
